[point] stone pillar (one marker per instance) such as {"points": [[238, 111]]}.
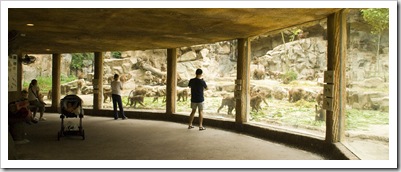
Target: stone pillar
{"points": [[98, 82], [242, 82], [336, 60], [56, 72], [171, 87]]}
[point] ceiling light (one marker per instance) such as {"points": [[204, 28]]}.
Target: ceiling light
{"points": [[30, 24]]}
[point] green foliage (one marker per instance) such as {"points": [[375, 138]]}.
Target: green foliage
{"points": [[289, 76], [45, 83], [294, 32], [378, 18], [78, 58], [65, 79], [116, 54]]}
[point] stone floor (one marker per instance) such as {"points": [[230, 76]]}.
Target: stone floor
{"points": [[133, 139]]}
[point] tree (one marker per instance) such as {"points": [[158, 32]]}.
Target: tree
{"points": [[77, 61], [116, 54], [378, 18]]}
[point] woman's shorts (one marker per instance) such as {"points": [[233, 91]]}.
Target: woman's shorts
{"points": [[197, 105]]}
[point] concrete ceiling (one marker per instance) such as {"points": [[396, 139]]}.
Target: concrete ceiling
{"points": [[78, 30]]}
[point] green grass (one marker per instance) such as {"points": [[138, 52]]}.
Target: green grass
{"points": [[361, 119], [45, 83]]}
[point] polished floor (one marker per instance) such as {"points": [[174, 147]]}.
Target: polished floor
{"points": [[134, 139]]}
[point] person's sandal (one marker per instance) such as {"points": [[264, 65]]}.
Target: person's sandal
{"points": [[189, 127], [202, 128]]}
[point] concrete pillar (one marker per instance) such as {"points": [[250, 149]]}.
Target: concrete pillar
{"points": [[56, 72], [171, 87], [242, 82], [336, 61], [98, 82]]}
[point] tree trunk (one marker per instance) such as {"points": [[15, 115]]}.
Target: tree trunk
{"points": [[154, 71], [377, 55]]}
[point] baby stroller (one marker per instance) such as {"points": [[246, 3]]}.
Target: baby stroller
{"points": [[71, 107]]}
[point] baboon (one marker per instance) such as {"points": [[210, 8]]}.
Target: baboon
{"points": [[302, 34], [320, 113], [228, 101], [106, 94], [263, 94], [309, 95], [159, 80], [259, 74], [148, 78], [274, 74], [163, 80], [49, 95], [255, 103], [136, 96], [182, 95], [136, 99], [319, 98], [295, 94], [80, 83], [160, 93], [178, 78], [125, 77], [163, 67]]}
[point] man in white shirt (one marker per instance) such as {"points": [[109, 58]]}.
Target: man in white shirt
{"points": [[116, 88]]}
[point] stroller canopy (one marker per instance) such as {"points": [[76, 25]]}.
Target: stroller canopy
{"points": [[71, 105]]}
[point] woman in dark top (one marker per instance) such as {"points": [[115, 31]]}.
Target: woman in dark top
{"points": [[197, 85]]}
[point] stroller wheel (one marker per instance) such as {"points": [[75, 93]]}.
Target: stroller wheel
{"points": [[83, 134]]}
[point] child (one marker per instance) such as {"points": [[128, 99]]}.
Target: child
{"points": [[19, 110]]}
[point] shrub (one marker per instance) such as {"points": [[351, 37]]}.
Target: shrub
{"points": [[116, 54], [289, 76]]}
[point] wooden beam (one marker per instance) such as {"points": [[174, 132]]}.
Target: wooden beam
{"points": [[242, 82], [171, 87], [56, 73], [336, 62], [98, 82]]}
